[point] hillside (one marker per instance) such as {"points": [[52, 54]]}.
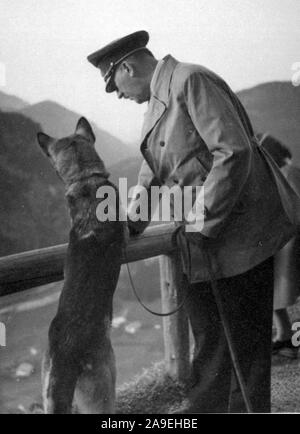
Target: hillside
{"points": [[58, 121], [128, 168], [275, 107], [32, 209], [33, 212], [11, 103]]}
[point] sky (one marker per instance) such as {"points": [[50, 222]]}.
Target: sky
{"points": [[44, 45]]}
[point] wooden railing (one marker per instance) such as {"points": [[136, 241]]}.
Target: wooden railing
{"points": [[38, 267]]}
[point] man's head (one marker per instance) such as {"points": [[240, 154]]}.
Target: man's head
{"points": [[133, 76], [127, 66]]}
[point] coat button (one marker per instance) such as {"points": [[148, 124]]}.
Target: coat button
{"points": [[162, 143]]}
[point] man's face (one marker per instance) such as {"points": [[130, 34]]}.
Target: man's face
{"points": [[129, 86]]}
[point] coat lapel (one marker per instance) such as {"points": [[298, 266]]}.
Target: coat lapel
{"points": [[158, 103], [155, 111]]}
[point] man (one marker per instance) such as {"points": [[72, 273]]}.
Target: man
{"points": [[287, 261], [197, 133]]}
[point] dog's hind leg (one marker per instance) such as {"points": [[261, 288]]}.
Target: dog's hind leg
{"points": [[45, 379], [95, 390], [59, 381]]}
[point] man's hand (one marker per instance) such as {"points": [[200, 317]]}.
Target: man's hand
{"points": [[195, 238], [133, 232]]}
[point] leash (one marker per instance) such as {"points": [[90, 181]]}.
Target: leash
{"points": [[161, 314]]}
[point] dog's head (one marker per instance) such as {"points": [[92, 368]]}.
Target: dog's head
{"points": [[73, 157]]}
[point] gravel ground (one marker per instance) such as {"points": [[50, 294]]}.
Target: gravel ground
{"points": [[286, 386], [286, 376]]}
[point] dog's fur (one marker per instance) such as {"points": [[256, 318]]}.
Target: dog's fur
{"points": [[79, 363]]}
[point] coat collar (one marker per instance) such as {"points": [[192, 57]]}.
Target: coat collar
{"points": [[161, 80], [160, 90]]}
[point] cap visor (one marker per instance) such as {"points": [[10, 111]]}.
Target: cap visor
{"points": [[110, 85]]}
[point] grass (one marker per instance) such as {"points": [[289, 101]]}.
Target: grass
{"points": [[152, 392]]}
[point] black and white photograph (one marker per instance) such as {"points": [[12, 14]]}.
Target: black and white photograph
{"points": [[149, 209]]}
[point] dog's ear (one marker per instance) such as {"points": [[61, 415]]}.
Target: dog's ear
{"points": [[84, 129], [44, 141]]}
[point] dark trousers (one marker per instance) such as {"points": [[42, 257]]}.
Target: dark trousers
{"points": [[248, 304]]}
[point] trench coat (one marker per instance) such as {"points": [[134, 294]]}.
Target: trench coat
{"points": [[197, 133]]}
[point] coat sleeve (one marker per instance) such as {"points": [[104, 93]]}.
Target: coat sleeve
{"points": [[141, 197], [217, 121]]}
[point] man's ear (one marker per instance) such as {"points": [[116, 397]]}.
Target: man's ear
{"points": [[44, 141], [128, 67], [84, 129]]}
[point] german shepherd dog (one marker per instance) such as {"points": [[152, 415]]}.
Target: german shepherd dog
{"points": [[79, 364]]}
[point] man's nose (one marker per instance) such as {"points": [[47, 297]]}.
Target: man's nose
{"points": [[120, 94]]}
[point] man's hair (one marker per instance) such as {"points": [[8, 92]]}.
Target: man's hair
{"points": [[278, 151]]}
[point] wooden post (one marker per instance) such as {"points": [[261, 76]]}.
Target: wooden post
{"points": [[175, 327]]}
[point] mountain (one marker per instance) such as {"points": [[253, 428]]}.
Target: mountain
{"points": [[58, 121], [275, 108], [128, 169], [11, 103], [33, 213]]}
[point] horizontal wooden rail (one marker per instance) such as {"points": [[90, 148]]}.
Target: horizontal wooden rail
{"points": [[39, 267]]}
